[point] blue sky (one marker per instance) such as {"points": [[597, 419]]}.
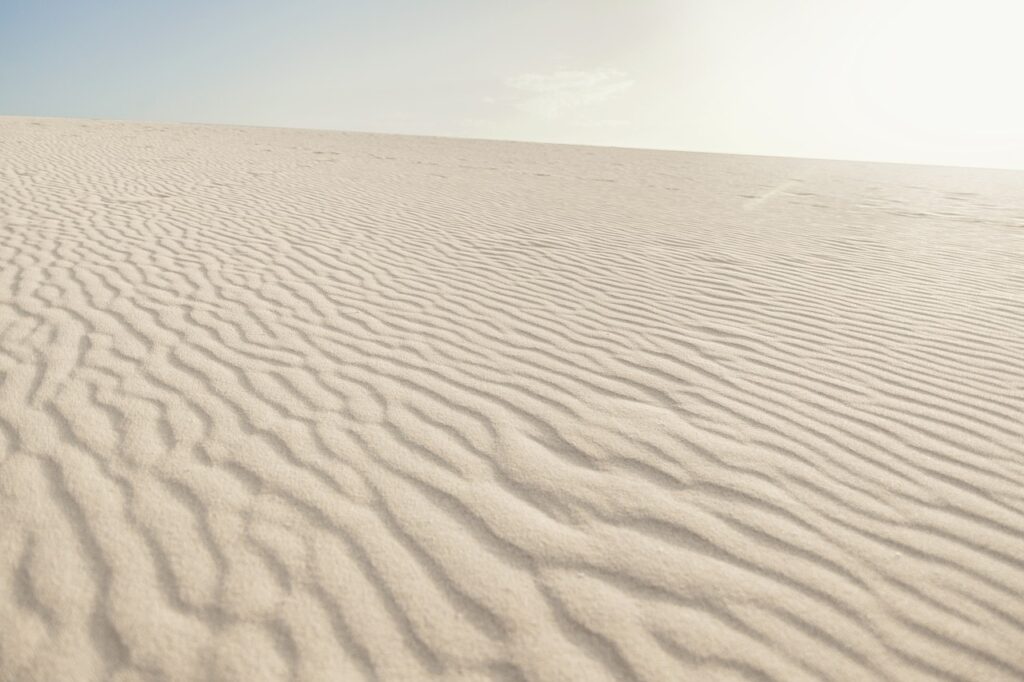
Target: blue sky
{"points": [[932, 81]]}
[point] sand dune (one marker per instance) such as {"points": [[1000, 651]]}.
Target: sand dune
{"points": [[297, 405]]}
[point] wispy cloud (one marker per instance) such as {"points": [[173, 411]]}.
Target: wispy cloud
{"points": [[564, 94]]}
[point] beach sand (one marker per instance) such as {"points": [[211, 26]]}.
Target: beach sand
{"points": [[302, 405]]}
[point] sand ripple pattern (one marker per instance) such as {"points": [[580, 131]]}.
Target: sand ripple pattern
{"points": [[292, 405]]}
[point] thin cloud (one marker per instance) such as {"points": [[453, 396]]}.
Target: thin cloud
{"points": [[565, 94]]}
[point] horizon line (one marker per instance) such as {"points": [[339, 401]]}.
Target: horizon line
{"points": [[470, 138]]}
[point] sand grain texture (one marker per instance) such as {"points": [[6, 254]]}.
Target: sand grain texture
{"points": [[293, 405]]}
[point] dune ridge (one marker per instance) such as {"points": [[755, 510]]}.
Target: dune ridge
{"points": [[301, 405]]}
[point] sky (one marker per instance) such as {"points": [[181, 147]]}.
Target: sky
{"points": [[918, 81]]}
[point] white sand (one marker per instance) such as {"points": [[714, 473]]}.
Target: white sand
{"points": [[294, 405]]}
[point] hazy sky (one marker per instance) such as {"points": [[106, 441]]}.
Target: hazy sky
{"points": [[934, 81]]}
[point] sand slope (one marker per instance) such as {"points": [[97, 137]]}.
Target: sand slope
{"points": [[291, 405]]}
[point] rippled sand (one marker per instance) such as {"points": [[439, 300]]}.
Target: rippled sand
{"points": [[298, 405]]}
